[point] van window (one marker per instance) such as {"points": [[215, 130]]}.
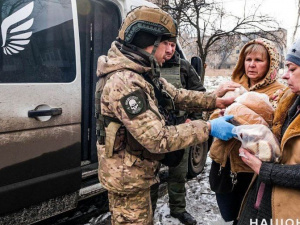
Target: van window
{"points": [[37, 42]]}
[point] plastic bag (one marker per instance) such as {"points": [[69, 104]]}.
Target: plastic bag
{"points": [[243, 115], [259, 103], [259, 140], [251, 108], [253, 95]]}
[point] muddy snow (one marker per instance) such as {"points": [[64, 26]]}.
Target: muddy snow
{"points": [[200, 202]]}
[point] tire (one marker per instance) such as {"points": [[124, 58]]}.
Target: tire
{"points": [[197, 159]]}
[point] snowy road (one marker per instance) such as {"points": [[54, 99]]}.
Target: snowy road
{"points": [[201, 203]]}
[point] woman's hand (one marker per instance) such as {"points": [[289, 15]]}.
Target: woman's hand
{"points": [[228, 86], [253, 162], [222, 103]]}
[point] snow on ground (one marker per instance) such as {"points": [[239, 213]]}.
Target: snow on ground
{"points": [[201, 203], [200, 200], [211, 82]]}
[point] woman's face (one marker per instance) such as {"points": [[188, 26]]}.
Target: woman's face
{"points": [[292, 76], [256, 66]]}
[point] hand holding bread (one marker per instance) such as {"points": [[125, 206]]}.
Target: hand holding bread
{"points": [[226, 87], [253, 162]]}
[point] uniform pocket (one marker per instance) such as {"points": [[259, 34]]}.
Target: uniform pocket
{"points": [[111, 132], [129, 159]]}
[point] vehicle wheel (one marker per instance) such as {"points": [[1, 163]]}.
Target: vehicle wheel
{"points": [[197, 159]]}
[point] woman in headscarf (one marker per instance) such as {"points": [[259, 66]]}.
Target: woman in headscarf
{"points": [[256, 70], [274, 195]]}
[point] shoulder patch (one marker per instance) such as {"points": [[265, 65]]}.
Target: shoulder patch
{"points": [[135, 103]]}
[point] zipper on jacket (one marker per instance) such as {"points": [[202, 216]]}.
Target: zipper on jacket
{"points": [[233, 179]]}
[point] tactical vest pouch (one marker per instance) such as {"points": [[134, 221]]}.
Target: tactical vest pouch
{"points": [[172, 75], [100, 126], [110, 138], [135, 148], [129, 159]]}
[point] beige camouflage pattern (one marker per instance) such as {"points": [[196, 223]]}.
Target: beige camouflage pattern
{"points": [[191, 100], [151, 15], [147, 128], [122, 206], [124, 173]]}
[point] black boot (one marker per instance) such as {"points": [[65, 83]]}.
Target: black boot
{"points": [[185, 218]]}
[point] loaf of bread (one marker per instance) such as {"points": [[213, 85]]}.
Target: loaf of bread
{"points": [[261, 149], [243, 115], [237, 92], [259, 103], [259, 140]]}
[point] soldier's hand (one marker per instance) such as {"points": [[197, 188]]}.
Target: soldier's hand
{"points": [[222, 103], [220, 128], [228, 86]]}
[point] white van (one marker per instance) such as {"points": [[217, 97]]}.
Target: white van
{"points": [[49, 50]]}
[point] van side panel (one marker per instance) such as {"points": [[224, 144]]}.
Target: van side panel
{"points": [[39, 74]]}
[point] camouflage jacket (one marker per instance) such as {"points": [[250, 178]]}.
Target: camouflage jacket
{"points": [[128, 97]]}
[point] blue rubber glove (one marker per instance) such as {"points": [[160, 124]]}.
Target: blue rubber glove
{"points": [[221, 129]]}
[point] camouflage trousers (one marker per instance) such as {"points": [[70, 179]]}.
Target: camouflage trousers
{"points": [[133, 208], [176, 186]]}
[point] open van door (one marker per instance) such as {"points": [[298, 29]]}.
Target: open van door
{"points": [[40, 103]]}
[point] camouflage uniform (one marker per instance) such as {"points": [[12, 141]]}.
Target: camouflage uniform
{"points": [[181, 74], [128, 98], [124, 173]]}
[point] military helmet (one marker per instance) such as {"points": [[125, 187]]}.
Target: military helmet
{"points": [[153, 21]]}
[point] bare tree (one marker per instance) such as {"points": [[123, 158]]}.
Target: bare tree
{"points": [[297, 21], [210, 24], [225, 48]]}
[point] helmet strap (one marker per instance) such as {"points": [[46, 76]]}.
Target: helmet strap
{"points": [[154, 64], [155, 68]]}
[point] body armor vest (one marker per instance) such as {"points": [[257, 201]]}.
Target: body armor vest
{"points": [[172, 75], [116, 137]]}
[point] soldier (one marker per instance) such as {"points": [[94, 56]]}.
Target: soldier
{"points": [[129, 122], [181, 74]]}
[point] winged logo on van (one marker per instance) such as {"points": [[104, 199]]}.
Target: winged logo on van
{"points": [[15, 30]]}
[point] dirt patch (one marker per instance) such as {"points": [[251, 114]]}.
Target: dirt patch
{"points": [[221, 72]]}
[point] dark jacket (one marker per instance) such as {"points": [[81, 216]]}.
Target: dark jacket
{"points": [[190, 80]]}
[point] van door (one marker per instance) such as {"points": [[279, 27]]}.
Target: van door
{"points": [[40, 102], [99, 22]]}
